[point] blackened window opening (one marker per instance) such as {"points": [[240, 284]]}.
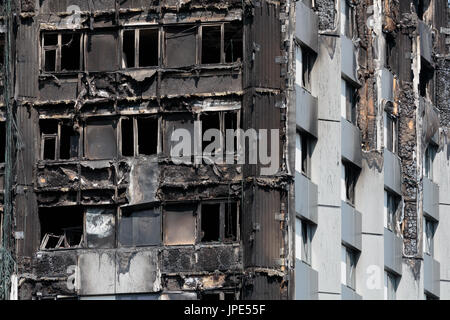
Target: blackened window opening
{"points": [[147, 136], [211, 44], [231, 213], [128, 48], [70, 52], [69, 142], [233, 42], [148, 47], [210, 222], [66, 222], [127, 138], [209, 121]]}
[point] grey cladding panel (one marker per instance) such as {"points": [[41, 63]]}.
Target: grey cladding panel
{"points": [[100, 140], [102, 52], [180, 46], [141, 227]]}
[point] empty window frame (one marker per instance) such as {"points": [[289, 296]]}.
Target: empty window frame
{"points": [[390, 132], [347, 18], [61, 227], [303, 146], [348, 267], [426, 80], [2, 141], [428, 160], [140, 227], [303, 238], [219, 221], [429, 227], [221, 43], [61, 52], [390, 286], [221, 121], [304, 64], [348, 101], [391, 203], [349, 178], [59, 140], [390, 50], [140, 48], [139, 136]]}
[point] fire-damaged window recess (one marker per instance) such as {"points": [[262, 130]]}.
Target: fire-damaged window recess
{"points": [[347, 18], [422, 7], [139, 136], [303, 152], [389, 51], [222, 121], [61, 52], [391, 203], [2, 141], [212, 295], [426, 83], [304, 59], [349, 178], [59, 140], [428, 160], [140, 48], [348, 101], [221, 43], [390, 132], [349, 259], [61, 227], [219, 222], [140, 226]]}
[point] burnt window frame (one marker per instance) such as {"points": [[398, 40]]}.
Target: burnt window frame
{"points": [[351, 175], [349, 26], [307, 59], [58, 51], [391, 205], [222, 44], [137, 30], [57, 137], [134, 119], [351, 104], [351, 263], [44, 238], [306, 144], [390, 132], [222, 204], [222, 127], [429, 157]]}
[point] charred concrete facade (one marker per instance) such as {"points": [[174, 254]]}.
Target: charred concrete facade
{"points": [[372, 162], [98, 208]]}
